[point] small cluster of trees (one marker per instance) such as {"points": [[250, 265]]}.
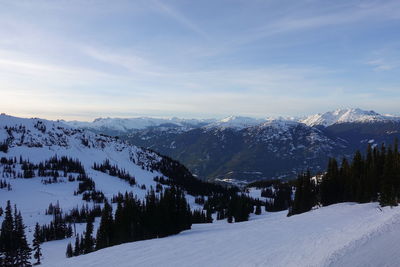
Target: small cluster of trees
{"points": [[374, 176], [230, 206], [52, 167], [14, 248], [84, 214], [5, 185], [57, 229], [305, 196], [157, 216], [87, 188], [83, 243], [199, 216], [4, 147], [114, 170]]}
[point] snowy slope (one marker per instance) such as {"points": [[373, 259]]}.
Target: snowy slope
{"points": [[345, 116], [38, 140], [317, 238]]}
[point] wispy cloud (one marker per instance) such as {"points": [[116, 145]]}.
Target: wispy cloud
{"points": [[382, 65], [174, 14], [306, 16], [385, 59]]}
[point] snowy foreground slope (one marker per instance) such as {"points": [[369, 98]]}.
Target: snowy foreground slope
{"points": [[339, 235]]}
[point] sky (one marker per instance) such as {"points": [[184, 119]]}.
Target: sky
{"points": [[79, 60]]}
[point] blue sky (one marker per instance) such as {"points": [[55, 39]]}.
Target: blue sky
{"points": [[87, 59]]}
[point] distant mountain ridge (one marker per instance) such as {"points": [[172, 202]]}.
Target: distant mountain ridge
{"points": [[244, 148], [125, 125], [347, 116]]}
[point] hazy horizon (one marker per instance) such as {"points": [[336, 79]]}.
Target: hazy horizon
{"points": [[188, 117]]}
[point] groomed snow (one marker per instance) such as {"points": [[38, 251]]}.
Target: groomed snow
{"points": [[317, 238]]}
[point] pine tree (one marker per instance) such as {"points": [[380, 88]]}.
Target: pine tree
{"points": [[69, 253], [77, 249], [258, 209], [88, 242], [305, 195], [36, 244], [23, 250], [105, 235], [388, 192], [7, 240], [330, 188]]}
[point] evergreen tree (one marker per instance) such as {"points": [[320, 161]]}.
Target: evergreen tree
{"points": [[305, 195], [36, 244], [104, 235], [77, 248], [69, 253], [388, 190], [331, 188], [258, 209], [23, 251], [7, 240], [88, 242]]}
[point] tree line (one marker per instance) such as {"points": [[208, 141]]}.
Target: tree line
{"points": [[158, 215], [374, 176], [114, 170]]}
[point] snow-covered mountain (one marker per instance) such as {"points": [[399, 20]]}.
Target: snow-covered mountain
{"points": [[250, 149], [347, 116], [124, 125], [271, 149], [235, 122], [46, 162]]}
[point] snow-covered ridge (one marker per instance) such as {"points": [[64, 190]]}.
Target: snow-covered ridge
{"points": [[33, 137], [235, 122], [36, 141], [346, 116], [231, 122], [140, 123]]}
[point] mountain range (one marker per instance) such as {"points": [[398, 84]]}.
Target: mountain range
{"points": [[246, 149]]}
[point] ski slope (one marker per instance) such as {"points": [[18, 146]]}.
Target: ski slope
{"points": [[338, 235]]}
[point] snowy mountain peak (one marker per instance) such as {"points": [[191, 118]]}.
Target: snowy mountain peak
{"points": [[235, 122], [345, 116]]}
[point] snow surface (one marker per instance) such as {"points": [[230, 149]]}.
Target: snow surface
{"points": [[338, 235], [346, 115]]}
